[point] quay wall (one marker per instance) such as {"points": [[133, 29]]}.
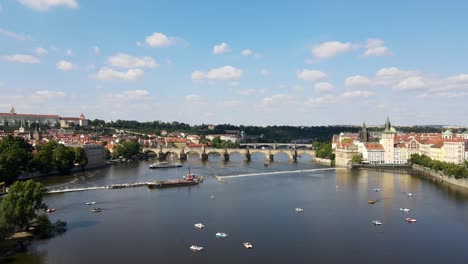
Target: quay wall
{"points": [[439, 176], [323, 161]]}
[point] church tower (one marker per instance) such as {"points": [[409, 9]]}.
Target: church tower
{"points": [[363, 134], [388, 142], [21, 129]]}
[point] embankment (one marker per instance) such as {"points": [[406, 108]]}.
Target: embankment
{"points": [[439, 176]]}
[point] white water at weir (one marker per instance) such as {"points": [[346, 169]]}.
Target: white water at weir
{"points": [[76, 189], [276, 172]]}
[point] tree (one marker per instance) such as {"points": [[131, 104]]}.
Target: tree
{"points": [[15, 156], [43, 160], [356, 159], [80, 157], [127, 149], [19, 207], [64, 158]]}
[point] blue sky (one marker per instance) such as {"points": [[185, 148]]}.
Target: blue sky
{"points": [[238, 62]]}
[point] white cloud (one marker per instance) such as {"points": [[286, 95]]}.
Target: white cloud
{"points": [[264, 72], [331, 49], [135, 94], [323, 87], [247, 52], [22, 58], [123, 60], [376, 47], [108, 74], [326, 99], [245, 92], [96, 50], [159, 40], [357, 81], [69, 52], [44, 5], [65, 65], [194, 99], [297, 88], [41, 51], [47, 95], [17, 36], [459, 78], [357, 94], [277, 99], [221, 48], [411, 83], [310, 75], [222, 73]]}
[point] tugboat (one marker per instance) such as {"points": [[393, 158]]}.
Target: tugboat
{"points": [[189, 179]]}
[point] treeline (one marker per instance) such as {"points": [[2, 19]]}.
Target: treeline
{"points": [[323, 150], [16, 157], [449, 169]]}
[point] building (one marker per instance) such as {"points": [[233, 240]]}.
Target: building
{"points": [[374, 153], [26, 120], [363, 134], [454, 151], [388, 142]]}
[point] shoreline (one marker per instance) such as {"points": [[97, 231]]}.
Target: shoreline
{"points": [[439, 176]]}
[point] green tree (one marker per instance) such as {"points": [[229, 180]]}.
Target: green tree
{"points": [[127, 149], [356, 159], [63, 158], [20, 206], [43, 160], [15, 156], [80, 157]]}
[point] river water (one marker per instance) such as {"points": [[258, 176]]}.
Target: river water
{"points": [[139, 225]]}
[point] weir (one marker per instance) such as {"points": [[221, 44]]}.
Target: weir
{"points": [[277, 172]]}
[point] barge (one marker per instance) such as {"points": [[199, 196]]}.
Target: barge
{"points": [[188, 180]]}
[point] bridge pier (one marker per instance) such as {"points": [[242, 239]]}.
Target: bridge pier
{"points": [[270, 156], [226, 155], [161, 155], [247, 156], [294, 156], [182, 155]]}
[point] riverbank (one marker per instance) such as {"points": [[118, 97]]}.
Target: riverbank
{"points": [[323, 161], [439, 176]]}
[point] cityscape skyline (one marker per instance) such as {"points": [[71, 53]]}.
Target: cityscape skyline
{"points": [[263, 64]]}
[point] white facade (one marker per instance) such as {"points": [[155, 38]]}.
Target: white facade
{"points": [[454, 152], [387, 142], [400, 155]]}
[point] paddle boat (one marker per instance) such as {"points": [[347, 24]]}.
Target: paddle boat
{"points": [[196, 248], [50, 210], [90, 203], [199, 225], [96, 210], [300, 210], [409, 194], [371, 201], [221, 235], [376, 222], [247, 245], [404, 210], [410, 220], [376, 189], [212, 197]]}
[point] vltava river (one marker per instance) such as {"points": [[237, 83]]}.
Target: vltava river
{"points": [[139, 225]]}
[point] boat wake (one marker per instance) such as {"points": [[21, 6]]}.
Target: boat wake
{"points": [[276, 172]]}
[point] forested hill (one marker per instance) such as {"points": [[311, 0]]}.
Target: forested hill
{"points": [[270, 133]]}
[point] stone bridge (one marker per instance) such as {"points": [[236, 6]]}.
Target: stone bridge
{"points": [[276, 145], [203, 153]]}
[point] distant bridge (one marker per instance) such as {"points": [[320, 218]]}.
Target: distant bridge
{"points": [[277, 145], [182, 153]]}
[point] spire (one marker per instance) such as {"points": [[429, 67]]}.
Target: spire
{"points": [[387, 125], [12, 110]]}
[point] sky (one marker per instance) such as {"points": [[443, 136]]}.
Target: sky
{"points": [[303, 63]]}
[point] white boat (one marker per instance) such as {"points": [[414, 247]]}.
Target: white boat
{"points": [[299, 210], [164, 164], [376, 190], [377, 222], [404, 210], [196, 248], [212, 197], [247, 245], [410, 220], [221, 235], [199, 225], [409, 194], [96, 210], [50, 210], [90, 203]]}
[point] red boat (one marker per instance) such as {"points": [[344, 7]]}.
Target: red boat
{"points": [[410, 220]]}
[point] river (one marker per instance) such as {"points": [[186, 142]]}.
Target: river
{"points": [[139, 225]]}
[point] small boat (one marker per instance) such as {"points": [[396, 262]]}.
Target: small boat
{"points": [[404, 210], [376, 222], [409, 194], [247, 245], [50, 210], [164, 164], [196, 248], [90, 203], [221, 235], [199, 225], [300, 210], [371, 201], [96, 210], [376, 190], [212, 197], [410, 220]]}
